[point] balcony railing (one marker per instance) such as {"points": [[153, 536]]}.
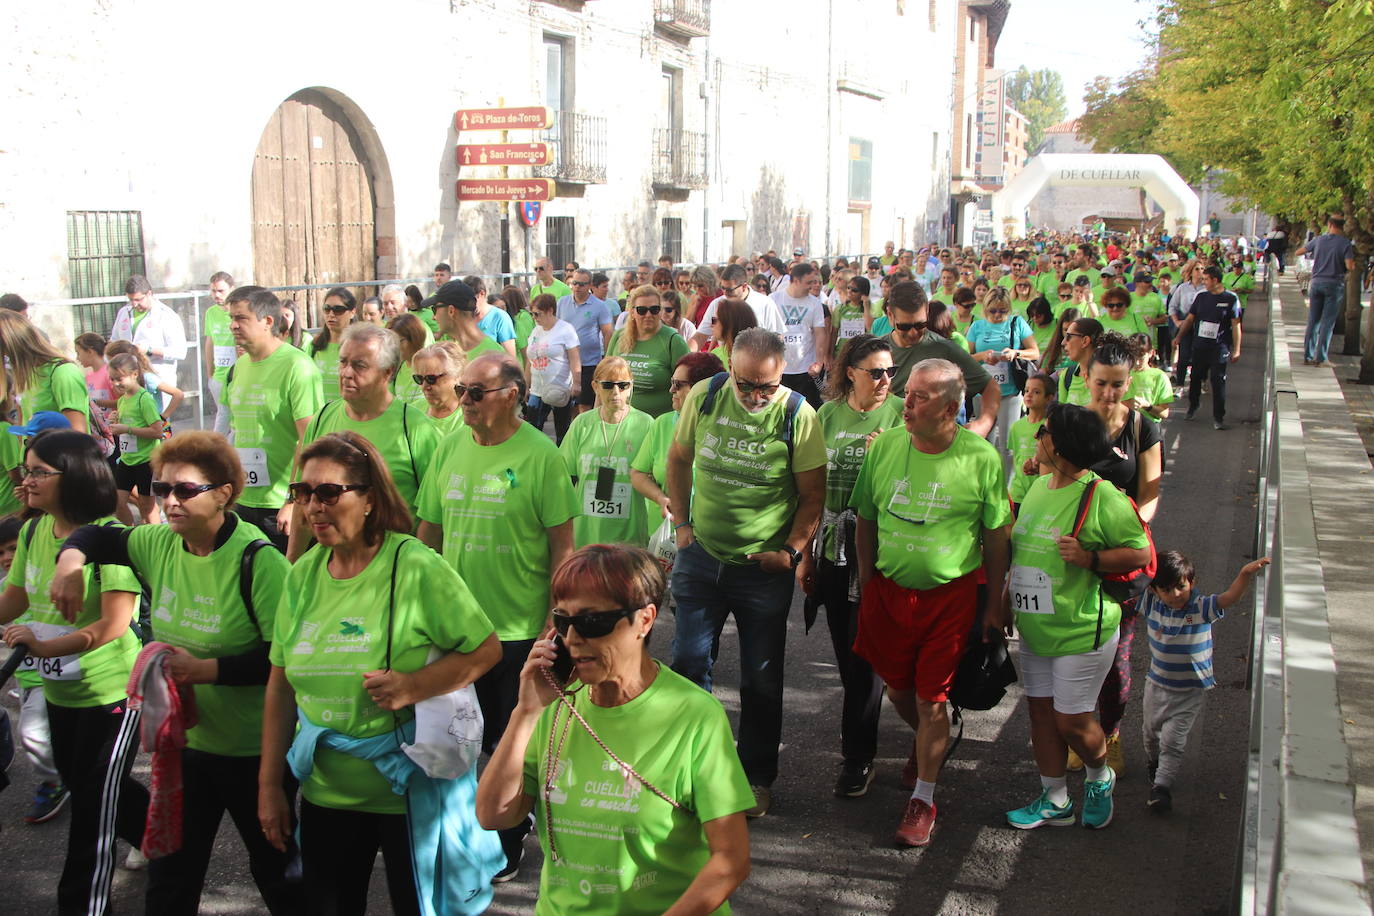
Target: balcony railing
{"points": [[679, 159], [578, 149], [683, 18]]}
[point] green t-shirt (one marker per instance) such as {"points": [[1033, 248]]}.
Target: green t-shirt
{"points": [[652, 459], [405, 389], [327, 361], [524, 326], [933, 346], [1047, 285], [558, 289], [651, 366], [426, 315], [940, 295], [11, 456], [745, 493], [846, 432], [216, 327], [1129, 323], [57, 386], [623, 849], [1069, 626], [1018, 309], [494, 503], [403, 435], [1242, 284], [329, 632], [197, 607], [487, 345], [1042, 335], [95, 678], [137, 409], [616, 515], [1091, 273], [1021, 445], [931, 509], [848, 319], [1150, 386], [1073, 386], [448, 425], [1147, 306], [266, 398]]}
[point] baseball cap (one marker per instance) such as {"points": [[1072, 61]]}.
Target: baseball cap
{"points": [[455, 293], [1108, 271], [40, 421], [1144, 278], [797, 252], [874, 262]]}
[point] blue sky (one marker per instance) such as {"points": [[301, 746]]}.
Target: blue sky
{"points": [[1104, 41]]}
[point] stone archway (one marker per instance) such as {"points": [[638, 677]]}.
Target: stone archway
{"points": [[1152, 173], [323, 206]]}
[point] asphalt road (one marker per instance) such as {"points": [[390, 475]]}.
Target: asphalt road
{"points": [[817, 854]]}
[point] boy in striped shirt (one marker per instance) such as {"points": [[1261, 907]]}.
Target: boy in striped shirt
{"points": [[1180, 626]]}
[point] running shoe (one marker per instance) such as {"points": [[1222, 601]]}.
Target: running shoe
{"points": [[917, 821], [1161, 799], [511, 870], [854, 779], [763, 798], [48, 799], [1040, 812], [1116, 759], [1097, 801]]}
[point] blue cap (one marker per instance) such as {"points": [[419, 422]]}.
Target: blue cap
{"points": [[42, 420]]}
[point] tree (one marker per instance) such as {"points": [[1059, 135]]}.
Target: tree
{"points": [[1039, 95]]}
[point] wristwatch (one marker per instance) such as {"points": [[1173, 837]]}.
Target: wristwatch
{"points": [[793, 553]]}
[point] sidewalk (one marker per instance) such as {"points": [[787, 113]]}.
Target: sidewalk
{"points": [[1335, 414]]}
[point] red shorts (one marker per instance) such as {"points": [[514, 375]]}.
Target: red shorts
{"points": [[914, 638]]}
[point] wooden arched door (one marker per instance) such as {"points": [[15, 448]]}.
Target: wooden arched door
{"points": [[313, 201]]}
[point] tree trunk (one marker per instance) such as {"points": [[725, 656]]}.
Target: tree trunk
{"points": [[1367, 360], [1354, 281]]}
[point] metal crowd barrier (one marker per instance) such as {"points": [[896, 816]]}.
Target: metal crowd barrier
{"points": [[1300, 843]]}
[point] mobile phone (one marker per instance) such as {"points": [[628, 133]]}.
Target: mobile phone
{"points": [[562, 662]]}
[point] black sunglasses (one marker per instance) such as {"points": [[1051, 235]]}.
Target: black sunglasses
{"points": [[327, 493], [476, 392], [750, 387], [184, 491], [428, 379], [877, 374], [648, 309], [338, 309], [607, 386], [1065, 295], [591, 625], [909, 325], [677, 384]]}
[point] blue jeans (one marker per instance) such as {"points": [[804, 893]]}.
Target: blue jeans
{"points": [[707, 591], [1325, 299]]}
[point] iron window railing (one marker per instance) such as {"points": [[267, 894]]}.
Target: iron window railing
{"points": [[679, 158], [578, 149], [688, 18], [104, 248]]}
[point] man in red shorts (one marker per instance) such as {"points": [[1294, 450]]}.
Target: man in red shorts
{"points": [[932, 506]]}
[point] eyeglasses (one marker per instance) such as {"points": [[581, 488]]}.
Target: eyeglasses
{"points": [[579, 283], [991, 312], [1072, 334], [766, 389], [909, 325], [1065, 296], [476, 392], [648, 309], [877, 374], [669, 309], [327, 493], [591, 625], [607, 386], [734, 291], [184, 491], [664, 284], [338, 309], [428, 379], [677, 384], [27, 472]]}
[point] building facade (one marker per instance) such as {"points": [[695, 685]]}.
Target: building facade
{"points": [[291, 147], [979, 26]]}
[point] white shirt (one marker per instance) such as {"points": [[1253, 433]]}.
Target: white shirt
{"points": [[159, 328], [800, 317], [548, 358], [766, 312]]}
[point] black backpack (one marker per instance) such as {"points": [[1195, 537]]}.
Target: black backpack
{"points": [[981, 680]]}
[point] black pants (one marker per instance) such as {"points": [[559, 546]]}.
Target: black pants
{"points": [[562, 419], [805, 385], [1209, 361], [863, 690], [93, 748], [266, 519], [1185, 356], [1164, 338], [338, 849], [211, 785], [497, 692]]}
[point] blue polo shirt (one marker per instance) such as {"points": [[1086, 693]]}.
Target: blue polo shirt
{"points": [[587, 319]]}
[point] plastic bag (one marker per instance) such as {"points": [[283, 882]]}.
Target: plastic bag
{"points": [[663, 545], [448, 734]]}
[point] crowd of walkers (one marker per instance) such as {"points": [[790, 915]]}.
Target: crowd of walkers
{"points": [[442, 528]]}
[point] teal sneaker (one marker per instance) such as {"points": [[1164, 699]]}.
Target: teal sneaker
{"points": [[1097, 801], [1042, 811]]}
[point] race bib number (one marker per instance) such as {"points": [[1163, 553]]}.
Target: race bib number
{"points": [[1031, 591], [1208, 329], [224, 357], [1001, 373], [851, 327], [794, 340], [128, 443], [64, 668], [254, 461], [616, 506]]}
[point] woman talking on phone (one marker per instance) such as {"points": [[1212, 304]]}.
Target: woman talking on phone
{"points": [[632, 775]]}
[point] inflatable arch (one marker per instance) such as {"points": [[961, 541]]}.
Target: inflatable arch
{"points": [[1153, 173]]}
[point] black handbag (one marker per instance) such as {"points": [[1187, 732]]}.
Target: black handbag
{"points": [[980, 682]]}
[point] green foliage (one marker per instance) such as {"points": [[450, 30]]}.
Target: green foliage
{"points": [[1039, 95]]}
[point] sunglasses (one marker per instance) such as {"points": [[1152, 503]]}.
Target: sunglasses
{"points": [[909, 325], [428, 379], [184, 491], [877, 374], [1072, 334], [664, 284], [327, 493], [338, 309], [677, 384], [578, 283], [607, 386], [991, 312], [1065, 296], [648, 309], [476, 392], [750, 387], [591, 625], [669, 310]]}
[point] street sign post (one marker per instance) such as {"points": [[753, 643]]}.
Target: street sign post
{"points": [[536, 117], [505, 189], [503, 154]]}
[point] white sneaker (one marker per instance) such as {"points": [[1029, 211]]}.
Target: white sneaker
{"points": [[136, 860]]}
